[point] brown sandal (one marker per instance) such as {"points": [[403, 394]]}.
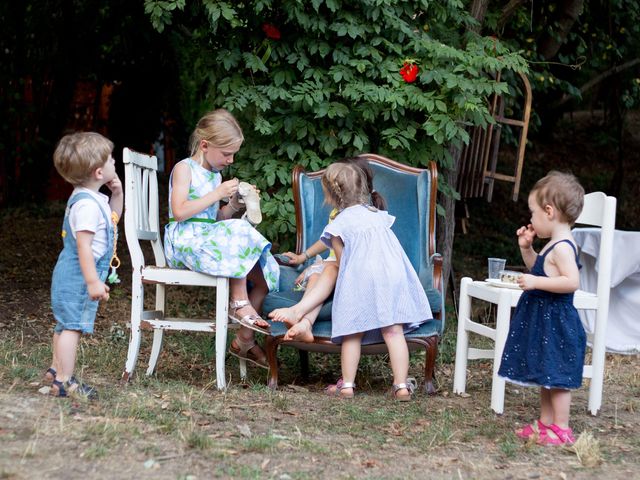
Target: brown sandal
{"points": [[243, 351], [248, 321]]}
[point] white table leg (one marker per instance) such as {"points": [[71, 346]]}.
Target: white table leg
{"points": [[502, 330]]}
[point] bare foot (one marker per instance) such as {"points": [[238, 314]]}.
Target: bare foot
{"points": [[300, 332], [249, 310], [289, 316]]}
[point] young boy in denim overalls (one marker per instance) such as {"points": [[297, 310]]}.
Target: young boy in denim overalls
{"points": [[88, 233]]}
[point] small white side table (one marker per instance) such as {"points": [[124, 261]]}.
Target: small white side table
{"points": [[505, 299]]}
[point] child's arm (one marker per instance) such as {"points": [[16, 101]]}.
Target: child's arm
{"points": [[298, 258], [560, 266], [117, 197], [182, 207], [526, 235], [96, 288]]}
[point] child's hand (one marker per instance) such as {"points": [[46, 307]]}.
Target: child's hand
{"points": [[527, 281], [526, 235], [115, 186], [294, 258], [300, 278], [98, 290], [228, 188]]}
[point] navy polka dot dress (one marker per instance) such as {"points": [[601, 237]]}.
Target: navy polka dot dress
{"points": [[546, 342]]}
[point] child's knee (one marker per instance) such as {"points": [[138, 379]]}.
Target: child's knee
{"points": [[331, 268], [392, 331]]}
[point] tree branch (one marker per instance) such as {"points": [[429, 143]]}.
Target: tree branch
{"points": [[597, 79], [565, 16], [508, 11]]}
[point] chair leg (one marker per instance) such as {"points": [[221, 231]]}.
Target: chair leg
{"points": [[222, 328], [430, 364], [137, 298], [155, 350], [597, 366], [243, 369], [157, 333], [502, 330], [304, 364], [462, 343], [271, 349]]}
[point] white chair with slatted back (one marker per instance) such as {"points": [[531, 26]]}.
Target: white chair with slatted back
{"points": [[600, 211], [141, 223]]}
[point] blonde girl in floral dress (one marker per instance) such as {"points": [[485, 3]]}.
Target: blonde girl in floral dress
{"points": [[202, 236]]}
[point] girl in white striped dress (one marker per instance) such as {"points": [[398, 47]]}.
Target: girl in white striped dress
{"points": [[378, 295]]}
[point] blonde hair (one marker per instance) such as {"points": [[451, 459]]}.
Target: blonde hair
{"points": [[218, 127], [345, 184], [77, 155], [562, 191]]}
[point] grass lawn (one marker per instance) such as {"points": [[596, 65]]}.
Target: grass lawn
{"points": [[177, 425]]}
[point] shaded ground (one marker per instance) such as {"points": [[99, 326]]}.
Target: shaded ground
{"points": [[177, 425]]}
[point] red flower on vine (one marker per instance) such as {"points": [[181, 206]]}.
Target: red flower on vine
{"points": [[409, 71], [271, 31]]}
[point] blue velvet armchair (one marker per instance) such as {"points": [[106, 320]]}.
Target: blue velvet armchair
{"points": [[411, 197]]}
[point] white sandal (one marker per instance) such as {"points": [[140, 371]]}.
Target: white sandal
{"points": [[251, 200], [409, 386], [248, 321]]}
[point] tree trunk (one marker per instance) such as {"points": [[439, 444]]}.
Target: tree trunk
{"points": [[508, 11], [478, 11], [445, 230], [567, 13]]}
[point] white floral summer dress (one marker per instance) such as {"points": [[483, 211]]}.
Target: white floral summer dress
{"points": [[226, 248]]}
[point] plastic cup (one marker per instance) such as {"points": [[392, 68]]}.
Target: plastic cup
{"points": [[495, 265]]}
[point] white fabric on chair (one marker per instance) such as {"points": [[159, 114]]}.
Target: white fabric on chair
{"points": [[623, 326]]}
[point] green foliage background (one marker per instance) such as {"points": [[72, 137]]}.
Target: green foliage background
{"points": [[330, 86]]}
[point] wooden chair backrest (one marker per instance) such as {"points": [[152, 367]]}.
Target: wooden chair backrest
{"points": [[141, 207]]}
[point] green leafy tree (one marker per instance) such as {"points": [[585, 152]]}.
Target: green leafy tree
{"points": [[582, 54], [313, 81]]}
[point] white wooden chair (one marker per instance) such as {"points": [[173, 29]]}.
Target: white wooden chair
{"points": [[141, 223], [599, 210]]}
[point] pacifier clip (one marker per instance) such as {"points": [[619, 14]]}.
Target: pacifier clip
{"points": [[114, 263]]}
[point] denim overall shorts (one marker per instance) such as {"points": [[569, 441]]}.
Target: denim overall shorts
{"points": [[70, 302]]}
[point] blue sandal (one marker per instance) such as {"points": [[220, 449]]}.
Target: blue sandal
{"points": [[49, 376], [73, 388]]}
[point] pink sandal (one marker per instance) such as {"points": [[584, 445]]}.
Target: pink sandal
{"points": [[336, 390], [564, 436], [531, 429]]}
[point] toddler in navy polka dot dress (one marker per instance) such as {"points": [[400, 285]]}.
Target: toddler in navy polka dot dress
{"points": [[546, 342]]}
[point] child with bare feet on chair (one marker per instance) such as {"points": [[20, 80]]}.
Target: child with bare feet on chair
{"points": [[202, 236], [89, 231], [546, 343], [378, 295], [318, 279]]}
